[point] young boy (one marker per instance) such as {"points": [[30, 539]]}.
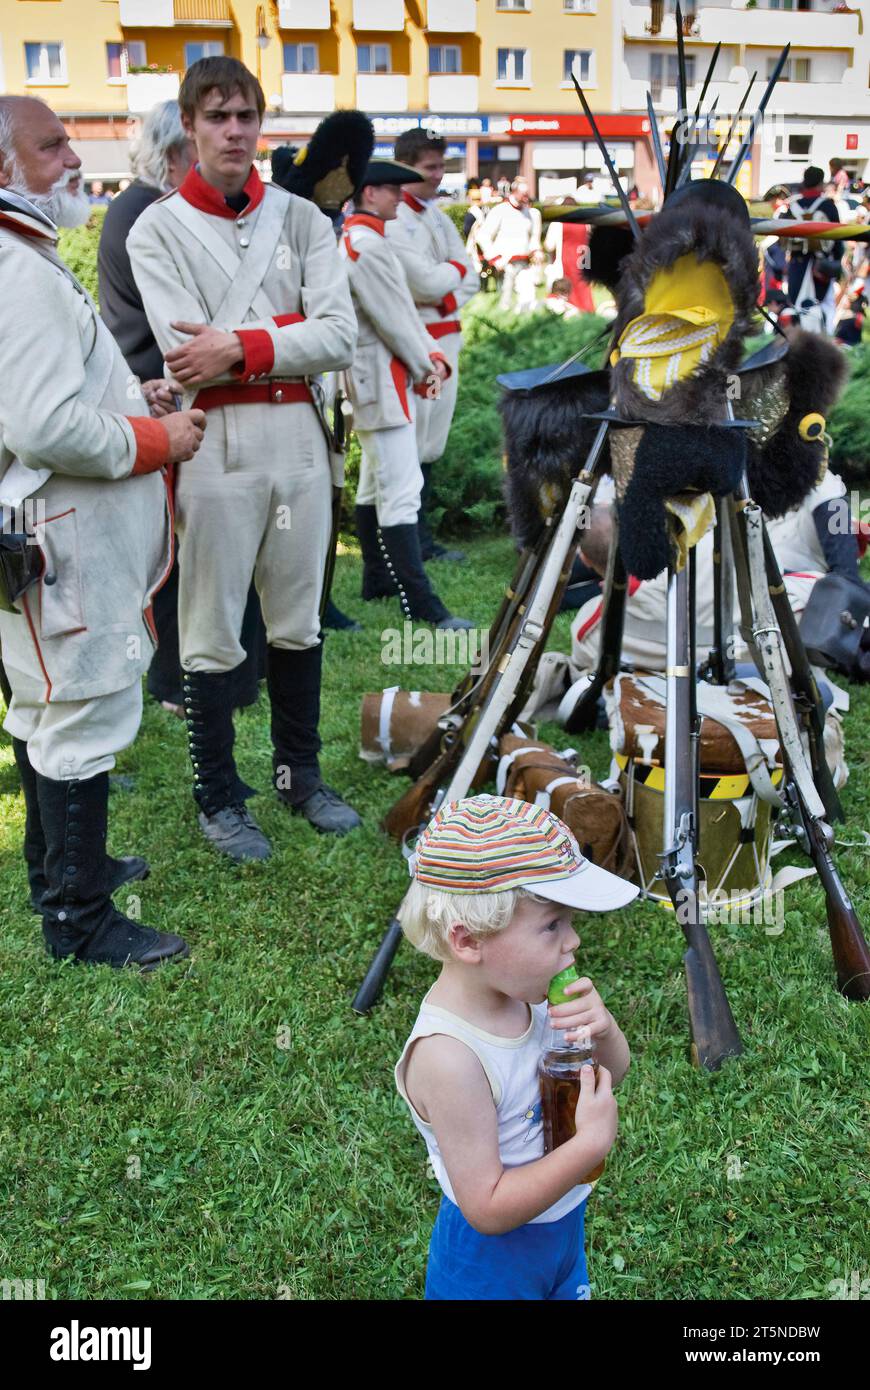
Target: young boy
{"points": [[496, 883]]}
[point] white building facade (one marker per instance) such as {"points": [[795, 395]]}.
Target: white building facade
{"points": [[821, 107]]}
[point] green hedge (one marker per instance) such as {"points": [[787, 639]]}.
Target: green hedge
{"points": [[78, 246]]}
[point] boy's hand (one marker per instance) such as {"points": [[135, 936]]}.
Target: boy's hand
{"points": [[584, 1011], [596, 1116]]}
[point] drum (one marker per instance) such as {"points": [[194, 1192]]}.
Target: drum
{"points": [[735, 820]]}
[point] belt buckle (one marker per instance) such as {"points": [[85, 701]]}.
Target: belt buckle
{"points": [[277, 391]]}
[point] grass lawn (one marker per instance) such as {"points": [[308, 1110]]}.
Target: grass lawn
{"points": [[229, 1129]]}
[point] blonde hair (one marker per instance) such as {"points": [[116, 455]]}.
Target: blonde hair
{"points": [[427, 914]]}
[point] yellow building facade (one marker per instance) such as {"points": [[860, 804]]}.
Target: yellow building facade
{"points": [[492, 75]]}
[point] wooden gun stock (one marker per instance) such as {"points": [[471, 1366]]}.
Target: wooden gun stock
{"points": [[714, 1032], [848, 946], [369, 991]]}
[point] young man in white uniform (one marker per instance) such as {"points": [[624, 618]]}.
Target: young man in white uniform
{"points": [[247, 297], [396, 363], [442, 279]]}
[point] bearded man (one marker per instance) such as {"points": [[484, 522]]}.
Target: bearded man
{"points": [[84, 490]]}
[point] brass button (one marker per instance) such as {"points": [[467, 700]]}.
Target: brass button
{"points": [[244, 241], [240, 222], [279, 395]]}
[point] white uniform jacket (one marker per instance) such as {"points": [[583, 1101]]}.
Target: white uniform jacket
{"points": [[394, 352], [77, 442], [437, 265], [510, 233]]}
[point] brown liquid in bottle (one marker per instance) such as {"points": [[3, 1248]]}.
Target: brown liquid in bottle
{"points": [[559, 1074]]}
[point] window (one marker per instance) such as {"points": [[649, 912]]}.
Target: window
{"points": [[800, 146], [121, 57], [301, 57], [580, 62], [208, 48], [45, 62], [580, 6], [445, 57], [513, 66], [795, 70], [663, 75], [373, 57], [512, 4]]}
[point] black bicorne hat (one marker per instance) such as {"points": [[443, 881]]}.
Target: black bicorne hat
{"points": [[328, 169]]}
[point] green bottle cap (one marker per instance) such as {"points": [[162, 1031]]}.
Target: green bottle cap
{"points": [[556, 992]]}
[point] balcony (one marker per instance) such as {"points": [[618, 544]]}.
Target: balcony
{"points": [[451, 16], [146, 14], [145, 89], [379, 14], [453, 93], [376, 91], [848, 98], [304, 14], [209, 13], [736, 25], [307, 91]]}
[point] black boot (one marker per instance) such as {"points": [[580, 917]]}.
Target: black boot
{"points": [[377, 581], [400, 546], [120, 871], [78, 917], [218, 790], [429, 547], [294, 691]]}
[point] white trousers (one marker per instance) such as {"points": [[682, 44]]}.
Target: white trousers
{"points": [[389, 476], [72, 739], [434, 417], [523, 279]]}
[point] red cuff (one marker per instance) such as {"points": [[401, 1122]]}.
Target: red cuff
{"points": [[282, 320], [463, 269], [152, 444], [439, 357], [259, 358], [447, 305]]}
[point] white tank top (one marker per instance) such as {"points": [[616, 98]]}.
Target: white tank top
{"points": [[511, 1067]]}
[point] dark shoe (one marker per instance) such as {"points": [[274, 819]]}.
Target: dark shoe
{"points": [[325, 810], [209, 697], [377, 582], [79, 918], [456, 624], [119, 871], [339, 622], [401, 547], [440, 552], [234, 832]]}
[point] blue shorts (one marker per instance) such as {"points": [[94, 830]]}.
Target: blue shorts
{"points": [[540, 1261]]}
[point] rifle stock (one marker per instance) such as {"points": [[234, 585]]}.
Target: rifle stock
{"points": [[848, 946], [714, 1032], [370, 990]]}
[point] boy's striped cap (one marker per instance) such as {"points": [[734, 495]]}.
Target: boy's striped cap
{"points": [[489, 844]]}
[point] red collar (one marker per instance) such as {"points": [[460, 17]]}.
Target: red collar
{"points": [[811, 192], [365, 219], [413, 202], [206, 198]]}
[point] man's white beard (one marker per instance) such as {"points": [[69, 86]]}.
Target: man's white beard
{"points": [[65, 209]]}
